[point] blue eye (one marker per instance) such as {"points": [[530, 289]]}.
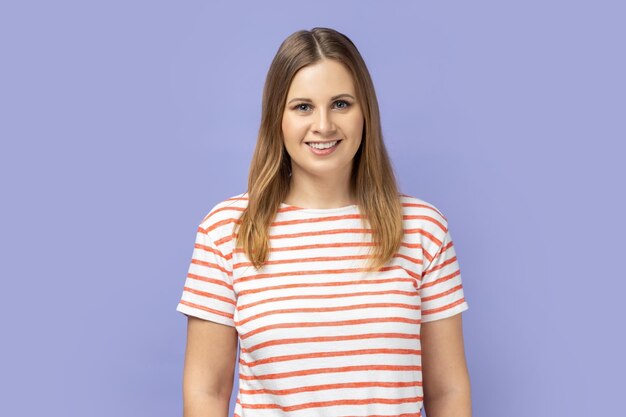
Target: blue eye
{"points": [[299, 106], [304, 107]]}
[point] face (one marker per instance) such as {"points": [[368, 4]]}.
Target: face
{"points": [[322, 110]]}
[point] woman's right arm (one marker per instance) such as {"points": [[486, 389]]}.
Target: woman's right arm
{"points": [[209, 368]]}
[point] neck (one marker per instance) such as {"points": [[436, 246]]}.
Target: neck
{"points": [[319, 192]]}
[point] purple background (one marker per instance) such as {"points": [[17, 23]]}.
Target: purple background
{"points": [[123, 123]]}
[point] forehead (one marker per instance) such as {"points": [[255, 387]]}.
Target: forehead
{"points": [[320, 80]]}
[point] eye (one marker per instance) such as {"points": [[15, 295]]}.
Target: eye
{"points": [[300, 106], [345, 106]]}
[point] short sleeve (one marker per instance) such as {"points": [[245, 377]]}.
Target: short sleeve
{"points": [[208, 291], [441, 289]]}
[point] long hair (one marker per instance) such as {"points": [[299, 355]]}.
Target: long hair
{"points": [[372, 181]]}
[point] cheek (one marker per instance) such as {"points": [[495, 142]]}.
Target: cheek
{"points": [[356, 125], [292, 128], [288, 125]]}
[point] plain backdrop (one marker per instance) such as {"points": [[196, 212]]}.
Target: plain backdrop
{"points": [[123, 122]]}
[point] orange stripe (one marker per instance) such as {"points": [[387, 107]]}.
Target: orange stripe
{"points": [[408, 258], [201, 230], [331, 354], [320, 232], [316, 219], [442, 294], [217, 210], [209, 295], [354, 368], [321, 296], [210, 310], [228, 238], [327, 324], [211, 280], [424, 233], [318, 246], [233, 220], [210, 265], [325, 387], [337, 245], [313, 246], [211, 214], [442, 279], [442, 308], [298, 260], [320, 339], [313, 272], [427, 218], [418, 205], [220, 223], [323, 259], [210, 249], [440, 266], [320, 404], [442, 250], [326, 309], [223, 240]]}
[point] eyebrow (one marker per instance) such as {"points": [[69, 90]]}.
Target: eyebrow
{"points": [[332, 98]]}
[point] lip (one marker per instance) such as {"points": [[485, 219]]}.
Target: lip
{"points": [[322, 152], [322, 141]]}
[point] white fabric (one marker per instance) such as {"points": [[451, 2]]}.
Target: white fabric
{"points": [[317, 335]]}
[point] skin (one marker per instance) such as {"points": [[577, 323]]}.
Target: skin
{"points": [[321, 181], [210, 361], [444, 370]]}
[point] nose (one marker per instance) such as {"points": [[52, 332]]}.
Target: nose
{"points": [[323, 124]]}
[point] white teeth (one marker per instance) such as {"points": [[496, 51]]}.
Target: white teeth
{"points": [[322, 145]]}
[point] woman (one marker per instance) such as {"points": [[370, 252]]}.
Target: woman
{"points": [[344, 294]]}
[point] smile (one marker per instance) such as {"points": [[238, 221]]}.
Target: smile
{"points": [[323, 148]]}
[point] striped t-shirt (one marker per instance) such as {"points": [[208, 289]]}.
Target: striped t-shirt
{"points": [[319, 336]]}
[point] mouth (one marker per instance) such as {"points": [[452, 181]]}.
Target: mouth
{"points": [[321, 145]]}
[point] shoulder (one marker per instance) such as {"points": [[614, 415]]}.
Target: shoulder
{"points": [[416, 206], [222, 216], [423, 217]]}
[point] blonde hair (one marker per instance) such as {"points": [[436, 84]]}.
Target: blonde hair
{"points": [[372, 181]]}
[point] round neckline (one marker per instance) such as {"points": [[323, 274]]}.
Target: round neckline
{"points": [[319, 210]]}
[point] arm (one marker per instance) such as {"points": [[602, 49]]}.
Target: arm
{"points": [[209, 368], [445, 376]]}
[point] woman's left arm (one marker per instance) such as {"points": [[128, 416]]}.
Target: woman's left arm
{"points": [[445, 376]]}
